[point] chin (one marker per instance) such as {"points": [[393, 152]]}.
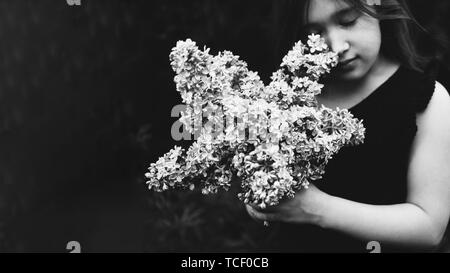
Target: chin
{"points": [[355, 74]]}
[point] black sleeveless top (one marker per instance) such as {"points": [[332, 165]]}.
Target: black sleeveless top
{"points": [[374, 172]]}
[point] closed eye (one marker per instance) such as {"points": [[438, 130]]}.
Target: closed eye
{"points": [[348, 23], [348, 18]]}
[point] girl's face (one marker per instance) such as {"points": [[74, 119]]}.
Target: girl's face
{"points": [[354, 35]]}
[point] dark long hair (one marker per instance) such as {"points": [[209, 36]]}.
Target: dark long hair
{"points": [[399, 29]]}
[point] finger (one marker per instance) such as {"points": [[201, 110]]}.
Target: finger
{"points": [[251, 209], [269, 209], [262, 216]]}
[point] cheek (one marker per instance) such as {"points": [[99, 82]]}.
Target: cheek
{"points": [[368, 40]]}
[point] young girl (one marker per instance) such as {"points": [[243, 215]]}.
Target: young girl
{"points": [[395, 188]]}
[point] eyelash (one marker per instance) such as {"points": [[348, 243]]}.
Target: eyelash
{"points": [[348, 23]]}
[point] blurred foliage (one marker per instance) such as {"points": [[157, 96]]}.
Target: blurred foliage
{"points": [[85, 100], [189, 222]]}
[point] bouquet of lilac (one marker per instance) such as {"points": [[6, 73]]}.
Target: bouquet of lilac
{"points": [[273, 139]]}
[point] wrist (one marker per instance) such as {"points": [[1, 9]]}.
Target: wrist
{"points": [[319, 211]]}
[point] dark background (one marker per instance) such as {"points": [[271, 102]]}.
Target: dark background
{"points": [[85, 99]]}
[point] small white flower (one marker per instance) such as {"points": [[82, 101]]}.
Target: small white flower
{"points": [[316, 43]]}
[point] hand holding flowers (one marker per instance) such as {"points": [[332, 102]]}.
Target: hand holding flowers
{"points": [[303, 208]]}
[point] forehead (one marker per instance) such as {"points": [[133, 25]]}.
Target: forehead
{"points": [[319, 11]]}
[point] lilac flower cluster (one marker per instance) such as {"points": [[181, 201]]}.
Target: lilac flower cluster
{"points": [[273, 139]]}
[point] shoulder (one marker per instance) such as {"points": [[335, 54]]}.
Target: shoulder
{"points": [[420, 88], [441, 94], [434, 121], [432, 141], [439, 104], [441, 91]]}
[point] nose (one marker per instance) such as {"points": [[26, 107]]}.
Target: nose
{"points": [[337, 42]]}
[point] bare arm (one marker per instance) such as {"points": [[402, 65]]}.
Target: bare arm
{"points": [[423, 219]]}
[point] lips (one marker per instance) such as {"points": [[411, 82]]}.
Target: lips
{"points": [[346, 62]]}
